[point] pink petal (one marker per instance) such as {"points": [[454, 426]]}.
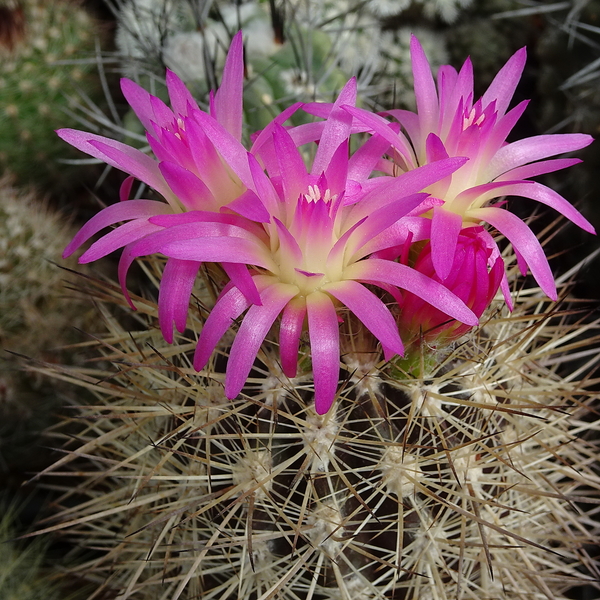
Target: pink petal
{"points": [[385, 129], [241, 278], [324, 335], [336, 129], [118, 155], [228, 99], [505, 83], [174, 295], [290, 165], [249, 205], [418, 228], [497, 137], [180, 96], [406, 184], [229, 147], [251, 334], [336, 172], [264, 186], [125, 189], [139, 99], [117, 238], [371, 311], [290, 330], [547, 196], [207, 162], [523, 241], [385, 271], [425, 92], [202, 216], [535, 148], [219, 249], [265, 135], [190, 190], [409, 120], [229, 306], [115, 213], [539, 168], [380, 220], [363, 162], [164, 119], [445, 228], [460, 98]]}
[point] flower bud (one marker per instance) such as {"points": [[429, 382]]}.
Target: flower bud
{"points": [[475, 278]]}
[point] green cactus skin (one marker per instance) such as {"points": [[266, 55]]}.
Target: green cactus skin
{"points": [[39, 91]]}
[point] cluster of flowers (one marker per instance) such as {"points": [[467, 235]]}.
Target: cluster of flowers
{"points": [[401, 214]]}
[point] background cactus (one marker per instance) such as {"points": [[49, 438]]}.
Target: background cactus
{"points": [[36, 318], [23, 566], [470, 472], [46, 61]]}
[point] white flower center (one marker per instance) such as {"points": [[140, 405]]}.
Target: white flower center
{"points": [[314, 195]]}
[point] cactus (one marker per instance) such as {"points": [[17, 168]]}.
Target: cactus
{"points": [[468, 472], [35, 317], [40, 83], [23, 572]]}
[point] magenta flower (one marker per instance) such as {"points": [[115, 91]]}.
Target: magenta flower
{"points": [[469, 278], [309, 253], [191, 174], [449, 122]]}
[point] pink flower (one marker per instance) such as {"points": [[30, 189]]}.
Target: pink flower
{"points": [[309, 254], [191, 174], [469, 278], [449, 122]]}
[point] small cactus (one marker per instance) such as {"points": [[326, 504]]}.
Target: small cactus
{"points": [[23, 565], [43, 44], [35, 317], [467, 473]]}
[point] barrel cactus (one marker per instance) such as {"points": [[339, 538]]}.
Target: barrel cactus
{"points": [[467, 474], [339, 384]]}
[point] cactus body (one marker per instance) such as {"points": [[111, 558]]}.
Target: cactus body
{"points": [[461, 473]]}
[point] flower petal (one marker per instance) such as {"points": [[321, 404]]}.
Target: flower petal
{"points": [[524, 242], [251, 334], [505, 82], [535, 148], [181, 98], [445, 228], [425, 92], [385, 271], [406, 184], [336, 129], [229, 306], [324, 335], [174, 295], [189, 189], [228, 99], [240, 276], [371, 311], [115, 213], [290, 330], [118, 155], [118, 238]]}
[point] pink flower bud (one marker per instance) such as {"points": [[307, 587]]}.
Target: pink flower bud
{"points": [[475, 278]]}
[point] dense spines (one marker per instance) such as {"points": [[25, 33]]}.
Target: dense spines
{"points": [[468, 476]]}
